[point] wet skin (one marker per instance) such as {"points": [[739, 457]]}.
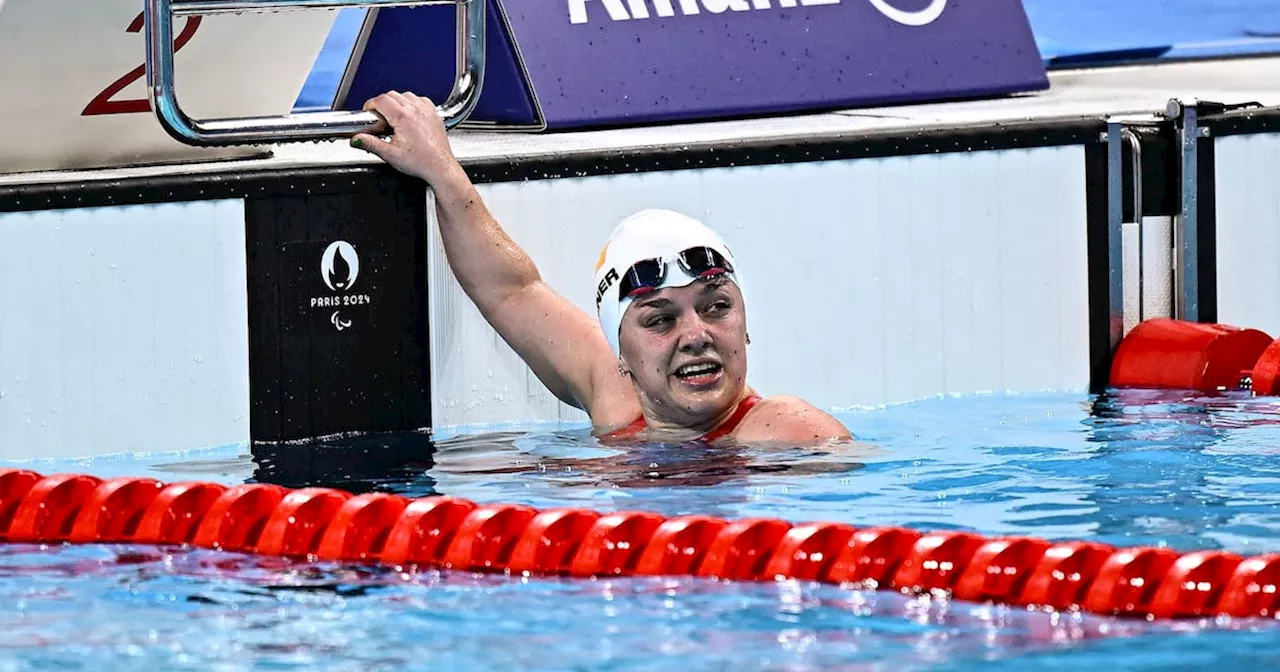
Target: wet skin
{"points": [[686, 350]]}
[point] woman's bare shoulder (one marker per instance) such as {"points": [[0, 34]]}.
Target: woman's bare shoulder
{"points": [[783, 418]]}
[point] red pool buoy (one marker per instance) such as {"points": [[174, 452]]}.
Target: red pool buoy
{"points": [[1174, 354]]}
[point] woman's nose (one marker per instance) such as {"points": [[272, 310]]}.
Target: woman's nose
{"points": [[694, 335]]}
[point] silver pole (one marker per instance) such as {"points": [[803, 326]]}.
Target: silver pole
{"points": [[159, 16], [1187, 233], [1115, 226], [1135, 166]]}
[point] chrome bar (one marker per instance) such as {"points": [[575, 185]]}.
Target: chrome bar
{"points": [[1186, 234], [1118, 134], [206, 7], [159, 14], [1115, 227], [1135, 165]]}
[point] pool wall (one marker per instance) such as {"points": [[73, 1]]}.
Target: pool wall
{"points": [[870, 281], [888, 256], [1248, 230], [124, 329]]}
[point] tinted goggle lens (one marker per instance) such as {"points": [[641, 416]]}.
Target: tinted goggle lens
{"points": [[647, 275], [644, 276], [703, 261]]}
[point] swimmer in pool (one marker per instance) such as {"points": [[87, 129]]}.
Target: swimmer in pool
{"points": [[667, 358]]}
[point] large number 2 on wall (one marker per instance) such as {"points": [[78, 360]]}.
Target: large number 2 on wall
{"points": [[103, 104]]}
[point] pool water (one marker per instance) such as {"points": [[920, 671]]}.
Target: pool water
{"points": [[1138, 468]]}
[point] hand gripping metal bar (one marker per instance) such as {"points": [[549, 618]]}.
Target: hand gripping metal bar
{"points": [[303, 126]]}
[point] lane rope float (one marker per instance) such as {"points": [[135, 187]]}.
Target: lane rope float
{"points": [[323, 524]]}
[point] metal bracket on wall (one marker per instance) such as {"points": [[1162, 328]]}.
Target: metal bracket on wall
{"points": [[1185, 115], [1120, 132]]}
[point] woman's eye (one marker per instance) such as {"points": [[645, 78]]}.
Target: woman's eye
{"points": [[658, 321], [718, 307]]}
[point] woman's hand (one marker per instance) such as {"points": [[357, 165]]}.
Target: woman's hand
{"points": [[419, 144]]}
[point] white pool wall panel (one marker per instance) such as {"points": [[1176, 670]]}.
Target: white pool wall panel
{"points": [[125, 330], [869, 281], [1248, 230]]}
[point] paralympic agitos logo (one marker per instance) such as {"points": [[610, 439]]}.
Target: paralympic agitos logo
{"points": [[624, 10]]}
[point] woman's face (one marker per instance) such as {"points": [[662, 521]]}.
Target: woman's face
{"points": [[686, 348]]}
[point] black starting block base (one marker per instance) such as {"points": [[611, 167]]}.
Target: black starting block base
{"points": [[338, 334]]}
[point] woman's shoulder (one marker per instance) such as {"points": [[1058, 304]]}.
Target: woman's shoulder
{"points": [[788, 419]]}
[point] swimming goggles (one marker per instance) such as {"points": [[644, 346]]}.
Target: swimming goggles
{"points": [[647, 275]]}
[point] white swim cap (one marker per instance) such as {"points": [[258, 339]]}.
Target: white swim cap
{"points": [[650, 234]]}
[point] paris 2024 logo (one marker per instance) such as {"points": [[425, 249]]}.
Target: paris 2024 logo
{"points": [[339, 269]]}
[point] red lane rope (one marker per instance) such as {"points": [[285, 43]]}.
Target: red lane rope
{"points": [[450, 533]]}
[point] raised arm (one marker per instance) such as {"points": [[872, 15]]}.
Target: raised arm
{"points": [[561, 343]]}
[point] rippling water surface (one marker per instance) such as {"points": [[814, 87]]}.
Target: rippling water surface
{"points": [[1142, 469]]}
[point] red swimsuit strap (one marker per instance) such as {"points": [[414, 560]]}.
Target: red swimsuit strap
{"points": [[734, 420], [629, 431], [720, 432]]}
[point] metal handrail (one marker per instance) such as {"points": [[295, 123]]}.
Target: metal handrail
{"points": [[159, 15]]}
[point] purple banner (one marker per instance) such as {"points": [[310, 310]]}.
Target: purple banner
{"points": [[626, 61], [610, 62]]}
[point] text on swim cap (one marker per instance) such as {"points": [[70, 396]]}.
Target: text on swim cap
{"points": [[606, 282]]}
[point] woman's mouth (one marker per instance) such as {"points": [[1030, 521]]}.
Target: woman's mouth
{"points": [[701, 374]]}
